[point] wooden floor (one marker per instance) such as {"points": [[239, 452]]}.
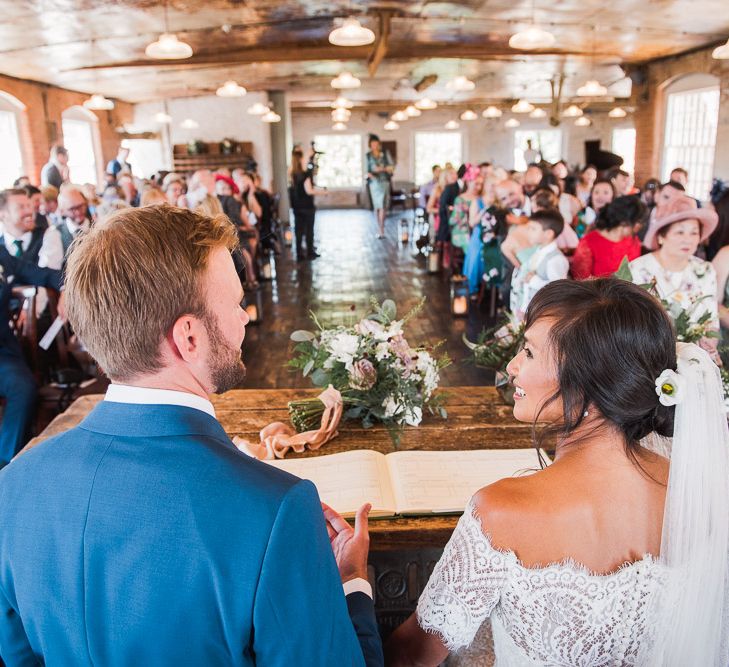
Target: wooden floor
{"points": [[353, 266]]}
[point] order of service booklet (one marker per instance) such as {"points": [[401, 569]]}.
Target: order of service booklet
{"points": [[408, 483]]}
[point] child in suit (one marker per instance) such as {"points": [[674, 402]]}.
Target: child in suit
{"points": [[546, 263]]}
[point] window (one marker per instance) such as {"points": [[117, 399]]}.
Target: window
{"points": [[690, 139], [340, 165], [435, 148], [145, 156], [548, 143], [624, 146], [79, 131], [11, 165]]}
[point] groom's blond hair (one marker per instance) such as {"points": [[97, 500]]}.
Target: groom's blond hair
{"points": [[131, 277]]}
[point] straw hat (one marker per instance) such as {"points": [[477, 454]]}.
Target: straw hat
{"points": [[676, 210]]}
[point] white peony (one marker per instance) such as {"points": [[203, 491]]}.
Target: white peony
{"points": [[370, 327], [391, 407], [343, 347], [382, 351], [413, 416]]}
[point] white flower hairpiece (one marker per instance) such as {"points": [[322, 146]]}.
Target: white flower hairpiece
{"points": [[670, 387]]}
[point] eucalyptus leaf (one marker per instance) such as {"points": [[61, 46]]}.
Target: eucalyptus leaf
{"points": [[302, 336], [320, 378], [389, 309], [308, 367]]}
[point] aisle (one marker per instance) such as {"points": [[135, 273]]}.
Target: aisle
{"points": [[353, 266]]}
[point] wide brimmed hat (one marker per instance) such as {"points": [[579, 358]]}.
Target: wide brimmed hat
{"points": [[676, 210], [229, 181]]}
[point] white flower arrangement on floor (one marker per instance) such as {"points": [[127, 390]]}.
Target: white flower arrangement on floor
{"points": [[380, 376]]}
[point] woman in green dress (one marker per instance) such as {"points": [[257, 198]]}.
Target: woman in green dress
{"points": [[379, 172]]}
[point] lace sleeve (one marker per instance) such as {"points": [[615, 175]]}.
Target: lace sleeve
{"points": [[465, 585]]}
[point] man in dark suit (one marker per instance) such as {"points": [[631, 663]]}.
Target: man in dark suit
{"points": [[143, 536], [17, 384]]}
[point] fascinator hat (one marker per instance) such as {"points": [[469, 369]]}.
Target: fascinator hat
{"points": [[678, 209], [472, 173]]}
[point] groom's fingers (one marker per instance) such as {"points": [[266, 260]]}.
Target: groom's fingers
{"points": [[335, 519], [361, 521]]}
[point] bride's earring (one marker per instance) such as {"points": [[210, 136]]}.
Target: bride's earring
{"points": [[585, 413]]}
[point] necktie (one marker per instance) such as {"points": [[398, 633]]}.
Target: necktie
{"points": [[18, 247]]}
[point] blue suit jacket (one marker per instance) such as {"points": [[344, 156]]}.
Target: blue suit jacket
{"points": [[143, 537]]}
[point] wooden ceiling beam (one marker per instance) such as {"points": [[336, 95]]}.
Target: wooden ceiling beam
{"points": [[381, 44]]}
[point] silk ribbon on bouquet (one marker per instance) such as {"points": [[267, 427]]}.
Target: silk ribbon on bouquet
{"points": [[277, 438]]}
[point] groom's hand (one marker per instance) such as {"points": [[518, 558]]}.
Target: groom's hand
{"points": [[350, 545]]}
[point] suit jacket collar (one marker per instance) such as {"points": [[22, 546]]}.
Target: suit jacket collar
{"points": [[146, 421]]}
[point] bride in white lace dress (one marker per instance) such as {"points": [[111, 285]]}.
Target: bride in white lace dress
{"points": [[609, 556]]}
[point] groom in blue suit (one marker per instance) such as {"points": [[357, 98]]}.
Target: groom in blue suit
{"points": [[142, 536]]}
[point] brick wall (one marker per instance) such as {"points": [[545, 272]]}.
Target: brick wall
{"points": [[40, 126], [649, 102]]}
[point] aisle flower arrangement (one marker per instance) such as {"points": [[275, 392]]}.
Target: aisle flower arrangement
{"points": [[382, 378]]}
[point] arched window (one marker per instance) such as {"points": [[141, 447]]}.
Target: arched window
{"points": [[11, 165], [81, 139], [692, 115]]}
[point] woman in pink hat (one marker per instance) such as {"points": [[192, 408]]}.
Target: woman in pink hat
{"points": [[672, 266]]}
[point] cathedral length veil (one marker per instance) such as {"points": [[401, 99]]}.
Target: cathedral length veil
{"points": [[692, 622]]}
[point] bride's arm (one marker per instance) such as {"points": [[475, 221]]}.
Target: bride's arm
{"points": [[411, 646]]}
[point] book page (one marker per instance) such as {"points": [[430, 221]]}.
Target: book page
{"points": [[347, 481], [444, 481]]}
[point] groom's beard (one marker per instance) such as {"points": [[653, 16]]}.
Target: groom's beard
{"points": [[227, 370]]}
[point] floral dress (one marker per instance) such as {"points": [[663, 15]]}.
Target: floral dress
{"points": [[693, 289], [458, 221]]}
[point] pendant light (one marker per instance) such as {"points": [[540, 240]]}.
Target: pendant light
{"points": [[412, 111], [512, 122], [258, 109], [399, 116], [339, 127], [231, 89], [618, 112], [270, 117], [346, 81], [98, 102], [522, 106], [492, 112], [721, 52], [426, 104], [342, 103], [538, 113], [391, 125], [167, 46], [583, 121], [162, 118], [341, 115], [461, 84], [469, 114], [189, 124], [452, 125], [572, 111], [533, 37], [351, 33]]}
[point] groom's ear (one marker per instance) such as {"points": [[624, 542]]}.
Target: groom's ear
{"points": [[188, 339]]}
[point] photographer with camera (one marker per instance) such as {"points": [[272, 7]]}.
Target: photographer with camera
{"points": [[301, 194]]}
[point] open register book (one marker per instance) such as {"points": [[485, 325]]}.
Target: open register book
{"points": [[413, 482]]}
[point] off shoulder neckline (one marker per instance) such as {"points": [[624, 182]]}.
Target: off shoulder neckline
{"points": [[647, 561]]}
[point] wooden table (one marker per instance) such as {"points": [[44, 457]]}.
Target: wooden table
{"points": [[404, 550], [476, 420]]}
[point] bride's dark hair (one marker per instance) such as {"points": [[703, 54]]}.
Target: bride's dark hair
{"points": [[611, 340]]}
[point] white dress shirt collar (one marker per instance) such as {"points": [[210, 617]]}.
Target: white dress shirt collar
{"points": [[9, 241], [124, 393]]}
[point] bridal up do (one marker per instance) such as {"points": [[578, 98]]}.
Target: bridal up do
{"points": [[610, 340]]}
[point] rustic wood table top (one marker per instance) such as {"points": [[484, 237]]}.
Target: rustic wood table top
{"points": [[477, 419]]}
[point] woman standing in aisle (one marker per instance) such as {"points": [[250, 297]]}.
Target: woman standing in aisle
{"points": [[379, 173]]}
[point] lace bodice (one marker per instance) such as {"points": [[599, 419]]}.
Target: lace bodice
{"points": [[557, 615]]}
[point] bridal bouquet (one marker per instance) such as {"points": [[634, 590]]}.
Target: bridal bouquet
{"points": [[380, 376]]}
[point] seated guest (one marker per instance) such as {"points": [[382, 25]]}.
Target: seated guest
{"points": [[720, 202], [55, 171], [583, 186], [426, 189], [532, 178], [451, 190], [152, 196], [672, 267], [569, 206], [17, 385], [21, 182], [49, 205], [560, 171], [602, 193], [162, 543], [174, 188], [601, 251], [119, 164], [76, 219], [34, 194], [201, 183], [465, 226], [620, 180], [129, 188], [594, 559], [546, 263]]}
